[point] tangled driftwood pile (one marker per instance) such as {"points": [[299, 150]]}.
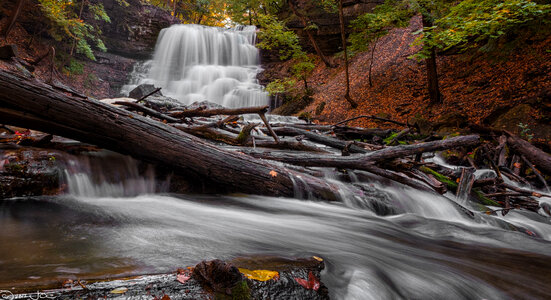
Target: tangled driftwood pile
{"points": [[246, 155]]}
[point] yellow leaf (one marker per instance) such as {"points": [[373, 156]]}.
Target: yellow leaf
{"points": [[120, 290], [260, 275], [273, 173], [317, 258]]}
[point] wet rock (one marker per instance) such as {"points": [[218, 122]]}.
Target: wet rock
{"points": [[8, 51], [162, 102], [222, 277], [29, 172], [133, 29], [286, 285], [205, 105], [142, 90], [210, 280]]}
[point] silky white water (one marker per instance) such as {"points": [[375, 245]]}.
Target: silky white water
{"points": [[388, 242], [198, 63]]}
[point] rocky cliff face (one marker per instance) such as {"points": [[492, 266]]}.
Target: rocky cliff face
{"points": [[328, 34], [133, 30]]}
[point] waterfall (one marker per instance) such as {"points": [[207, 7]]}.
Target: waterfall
{"points": [[108, 174], [196, 63]]}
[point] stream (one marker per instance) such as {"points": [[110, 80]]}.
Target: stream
{"points": [[111, 223], [389, 242]]}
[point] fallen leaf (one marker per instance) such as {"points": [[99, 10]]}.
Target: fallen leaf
{"points": [[260, 275], [517, 165], [183, 278], [165, 297], [317, 258], [273, 173], [120, 290], [311, 284]]}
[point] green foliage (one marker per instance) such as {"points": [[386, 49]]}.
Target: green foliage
{"points": [[303, 68], [274, 35], [99, 12], [123, 3], [480, 24], [67, 26], [249, 11], [371, 26], [331, 6], [525, 131], [280, 86], [312, 27], [75, 67]]}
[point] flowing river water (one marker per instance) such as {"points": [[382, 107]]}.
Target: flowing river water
{"points": [[389, 242], [111, 223]]}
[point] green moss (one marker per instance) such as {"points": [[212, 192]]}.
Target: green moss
{"points": [[240, 291], [14, 168], [452, 185], [483, 199], [390, 138]]}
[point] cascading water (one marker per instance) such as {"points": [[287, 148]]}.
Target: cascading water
{"points": [[382, 241], [108, 174], [197, 63]]}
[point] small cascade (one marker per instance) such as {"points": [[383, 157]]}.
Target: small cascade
{"points": [[197, 63], [107, 174]]}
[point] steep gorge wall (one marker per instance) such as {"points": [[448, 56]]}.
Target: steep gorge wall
{"points": [[134, 29], [328, 32], [131, 35]]}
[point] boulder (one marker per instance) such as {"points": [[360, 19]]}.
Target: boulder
{"points": [[143, 90]]}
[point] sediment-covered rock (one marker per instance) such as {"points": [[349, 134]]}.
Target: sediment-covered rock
{"points": [[243, 278]]}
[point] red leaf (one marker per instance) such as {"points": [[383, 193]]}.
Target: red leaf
{"points": [[311, 284], [183, 278]]}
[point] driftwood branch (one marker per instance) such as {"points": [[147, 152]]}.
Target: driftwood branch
{"points": [[147, 111], [200, 112], [537, 156]]}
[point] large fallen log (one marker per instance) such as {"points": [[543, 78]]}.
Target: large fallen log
{"points": [[29, 103], [200, 112], [541, 159], [365, 161], [322, 139]]}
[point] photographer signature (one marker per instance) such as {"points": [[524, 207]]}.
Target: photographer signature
{"points": [[7, 295]]}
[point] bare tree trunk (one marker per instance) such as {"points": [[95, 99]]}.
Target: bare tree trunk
{"points": [[309, 33], [343, 37], [371, 62], [432, 71], [14, 16]]}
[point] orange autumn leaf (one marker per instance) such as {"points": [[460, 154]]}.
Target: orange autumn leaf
{"points": [[260, 275], [273, 173]]}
